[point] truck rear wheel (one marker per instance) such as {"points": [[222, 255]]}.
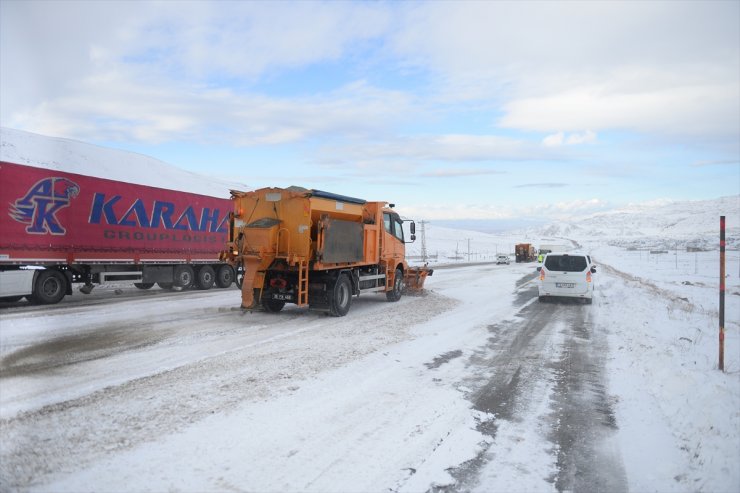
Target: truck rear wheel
{"points": [[144, 285], [184, 276], [49, 288], [341, 297], [205, 277], [272, 306], [165, 285], [224, 276], [397, 291]]}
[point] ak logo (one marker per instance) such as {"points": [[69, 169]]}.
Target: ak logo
{"points": [[38, 209]]}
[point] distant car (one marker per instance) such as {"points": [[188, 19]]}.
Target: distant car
{"points": [[566, 275], [503, 259]]}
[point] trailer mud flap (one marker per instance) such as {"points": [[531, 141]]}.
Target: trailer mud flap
{"points": [[251, 263]]}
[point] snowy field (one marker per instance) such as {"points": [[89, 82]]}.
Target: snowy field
{"points": [[178, 392]]}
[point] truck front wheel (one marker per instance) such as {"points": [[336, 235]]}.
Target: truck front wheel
{"points": [[397, 291], [272, 306], [49, 288], [341, 297]]}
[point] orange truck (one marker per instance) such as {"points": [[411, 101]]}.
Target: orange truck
{"points": [[317, 249], [525, 252]]}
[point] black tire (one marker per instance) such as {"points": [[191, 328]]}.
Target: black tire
{"points": [[144, 285], [165, 285], [397, 291], [542, 299], [184, 276], [272, 306], [49, 288], [205, 277], [10, 299], [224, 276], [341, 297]]}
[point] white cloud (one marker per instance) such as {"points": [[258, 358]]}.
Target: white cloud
{"points": [[56, 56], [543, 211], [681, 109], [446, 148], [716, 162], [554, 140], [559, 139], [160, 71], [581, 138], [114, 106], [655, 67]]}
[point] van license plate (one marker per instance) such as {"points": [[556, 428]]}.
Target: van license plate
{"points": [[565, 285]]}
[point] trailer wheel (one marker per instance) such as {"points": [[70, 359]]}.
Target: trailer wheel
{"points": [[272, 306], [184, 276], [205, 277], [144, 285], [165, 285], [49, 288], [397, 291], [224, 276], [341, 297]]}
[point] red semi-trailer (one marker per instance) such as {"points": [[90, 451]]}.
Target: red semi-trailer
{"points": [[59, 228]]}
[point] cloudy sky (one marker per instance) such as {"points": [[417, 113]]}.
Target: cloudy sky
{"points": [[493, 110]]}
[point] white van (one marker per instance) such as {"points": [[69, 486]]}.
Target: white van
{"points": [[568, 275]]}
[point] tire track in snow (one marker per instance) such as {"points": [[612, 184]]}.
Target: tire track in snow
{"points": [[67, 436], [550, 348]]}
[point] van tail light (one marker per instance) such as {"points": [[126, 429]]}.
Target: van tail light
{"points": [[588, 276], [542, 274]]}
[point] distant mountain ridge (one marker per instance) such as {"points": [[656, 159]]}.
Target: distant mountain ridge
{"points": [[691, 223]]}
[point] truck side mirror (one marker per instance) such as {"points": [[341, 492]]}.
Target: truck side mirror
{"points": [[413, 238], [413, 229]]}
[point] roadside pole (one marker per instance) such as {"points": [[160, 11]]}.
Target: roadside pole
{"points": [[722, 293]]}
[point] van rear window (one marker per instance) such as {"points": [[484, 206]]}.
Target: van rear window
{"points": [[565, 263]]}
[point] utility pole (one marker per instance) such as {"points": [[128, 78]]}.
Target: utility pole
{"points": [[468, 249], [722, 293], [423, 240]]}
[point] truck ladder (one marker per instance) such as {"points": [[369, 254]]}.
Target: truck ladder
{"points": [[389, 275], [302, 283]]}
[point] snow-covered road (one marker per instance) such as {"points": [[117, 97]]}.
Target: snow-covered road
{"points": [[473, 386]]}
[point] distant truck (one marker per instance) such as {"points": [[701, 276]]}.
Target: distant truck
{"points": [[58, 229], [552, 248], [317, 249], [525, 252]]}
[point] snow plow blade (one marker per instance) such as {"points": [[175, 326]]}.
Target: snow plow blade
{"points": [[415, 277]]}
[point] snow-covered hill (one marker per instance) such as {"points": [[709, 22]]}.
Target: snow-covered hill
{"points": [[72, 156], [675, 224]]}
